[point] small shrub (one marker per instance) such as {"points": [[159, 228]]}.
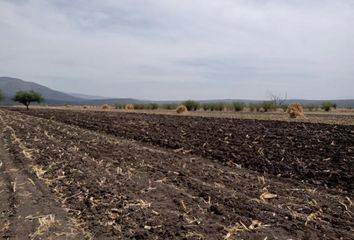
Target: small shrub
{"points": [[169, 106], [238, 106], [213, 106], [268, 106], [181, 109], [327, 106], [139, 106], [191, 105], [1, 96], [311, 107], [284, 107], [254, 107], [153, 106], [119, 106]]}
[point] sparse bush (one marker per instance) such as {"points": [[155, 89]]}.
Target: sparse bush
{"points": [[268, 106], [254, 107], [27, 97], [328, 105], [119, 106], [311, 107], [169, 106], [1, 96], [191, 105], [153, 106], [238, 106], [148, 106], [284, 107], [213, 106], [139, 106]]}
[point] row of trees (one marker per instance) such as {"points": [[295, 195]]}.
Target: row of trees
{"points": [[192, 105], [25, 97], [265, 106]]}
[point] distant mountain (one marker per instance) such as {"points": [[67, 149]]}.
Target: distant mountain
{"points": [[9, 86], [87, 97]]}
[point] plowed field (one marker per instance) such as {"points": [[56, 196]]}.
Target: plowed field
{"points": [[109, 175]]}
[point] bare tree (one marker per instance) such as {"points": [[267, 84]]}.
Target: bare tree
{"points": [[278, 99]]}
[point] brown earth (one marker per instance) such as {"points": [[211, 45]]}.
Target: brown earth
{"points": [[28, 209], [121, 189], [320, 154]]}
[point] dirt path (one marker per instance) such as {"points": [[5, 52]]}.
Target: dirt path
{"points": [[28, 208], [120, 189]]}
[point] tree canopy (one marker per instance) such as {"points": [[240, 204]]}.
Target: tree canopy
{"points": [[27, 97], [1, 96]]}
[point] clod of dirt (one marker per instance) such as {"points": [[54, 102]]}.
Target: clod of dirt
{"points": [[295, 110], [181, 109], [215, 209]]}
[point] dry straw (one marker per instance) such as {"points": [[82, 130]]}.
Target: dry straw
{"points": [[295, 110], [129, 107], [105, 107], [181, 109]]}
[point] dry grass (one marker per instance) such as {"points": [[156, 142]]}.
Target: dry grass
{"points": [[267, 196], [129, 107], [241, 227], [105, 107], [45, 222]]}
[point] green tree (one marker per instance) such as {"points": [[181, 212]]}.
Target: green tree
{"points": [[1, 96], [238, 106], [27, 97], [327, 105], [191, 105]]}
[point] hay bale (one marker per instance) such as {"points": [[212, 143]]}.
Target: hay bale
{"points": [[181, 109], [105, 107], [129, 107], [295, 110]]}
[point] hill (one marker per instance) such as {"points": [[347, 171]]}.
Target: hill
{"points": [[9, 86]]}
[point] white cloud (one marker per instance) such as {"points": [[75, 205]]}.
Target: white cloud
{"points": [[158, 49]]}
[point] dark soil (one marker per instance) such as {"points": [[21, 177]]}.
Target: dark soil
{"points": [[120, 189], [28, 210], [319, 154]]}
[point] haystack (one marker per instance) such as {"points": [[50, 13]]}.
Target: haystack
{"points": [[129, 107], [181, 109], [295, 110], [105, 106]]}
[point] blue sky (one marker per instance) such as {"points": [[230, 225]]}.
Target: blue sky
{"points": [[178, 49]]}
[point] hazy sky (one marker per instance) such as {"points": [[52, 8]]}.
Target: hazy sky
{"points": [[178, 49]]}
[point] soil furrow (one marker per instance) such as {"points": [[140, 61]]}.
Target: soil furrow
{"points": [[119, 189], [319, 154]]}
